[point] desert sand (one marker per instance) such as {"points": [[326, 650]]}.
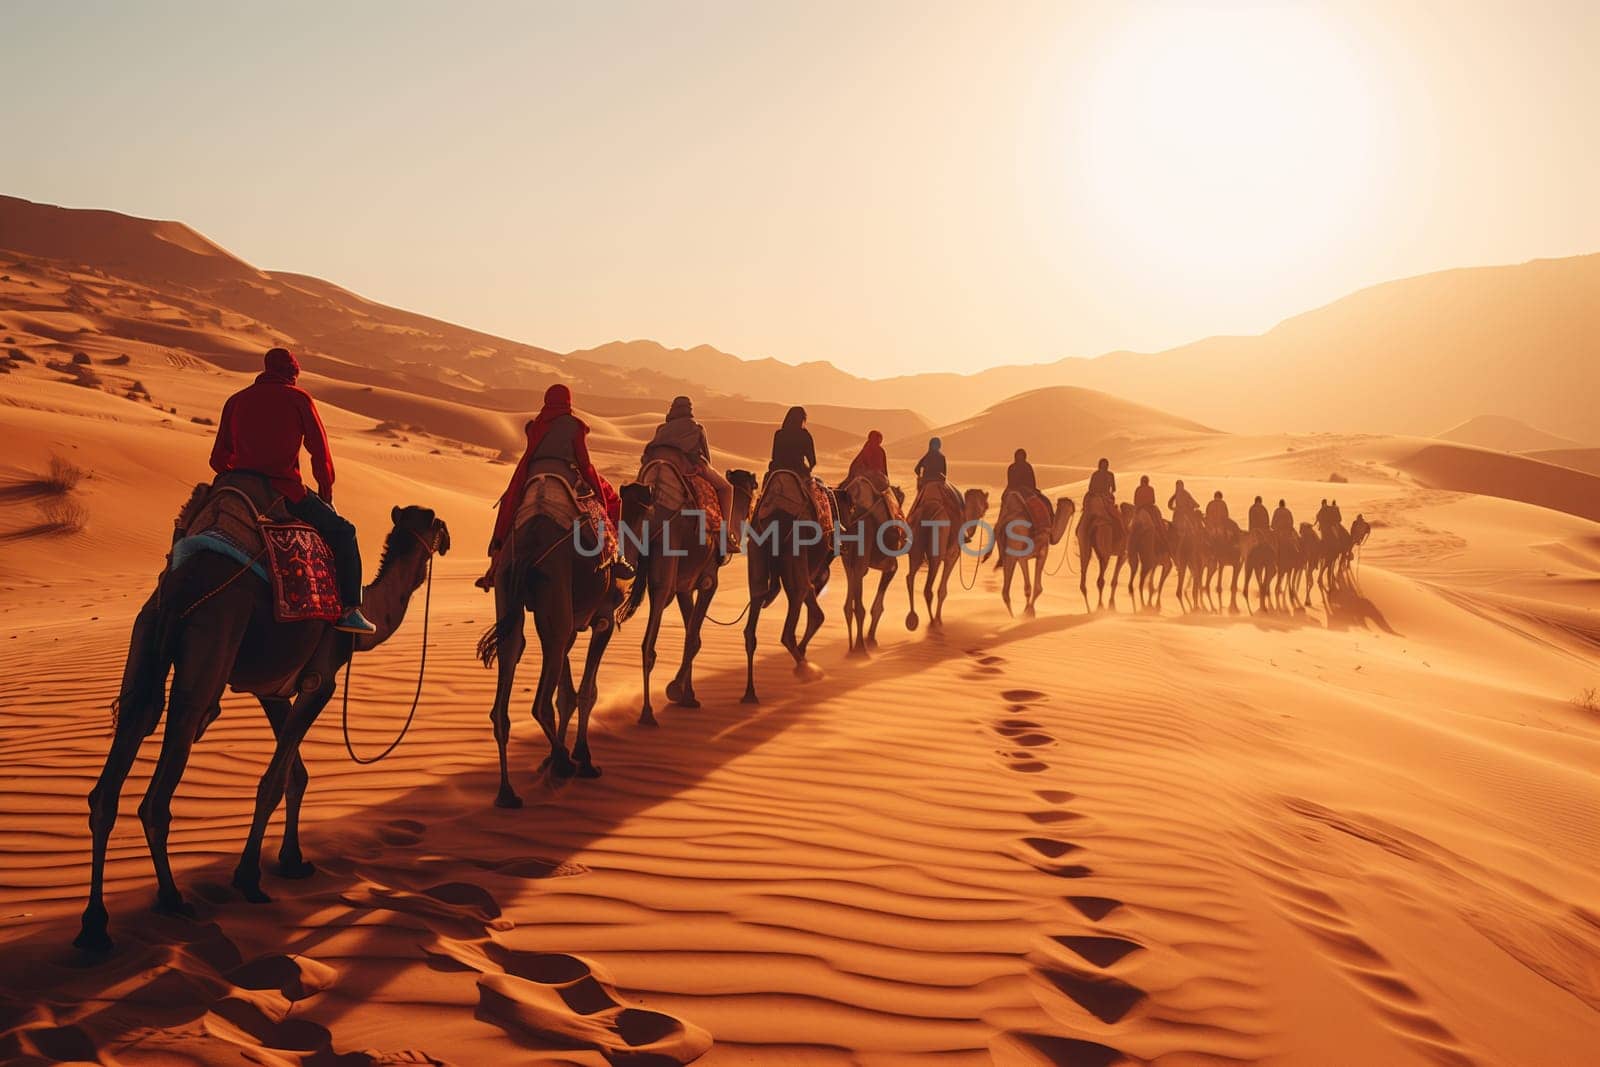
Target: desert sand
{"points": [[1361, 832]]}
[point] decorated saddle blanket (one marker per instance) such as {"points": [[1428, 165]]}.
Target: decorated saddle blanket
{"points": [[937, 500], [785, 491], [676, 487], [552, 497], [1031, 509], [231, 519]]}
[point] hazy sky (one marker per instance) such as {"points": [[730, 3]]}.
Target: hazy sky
{"points": [[890, 186]]}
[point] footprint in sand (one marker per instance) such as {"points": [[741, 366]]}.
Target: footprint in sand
{"points": [[458, 909], [1100, 951], [1056, 796], [1094, 908], [1023, 1047], [1023, 696], [1050, 818], [1106, 998]]}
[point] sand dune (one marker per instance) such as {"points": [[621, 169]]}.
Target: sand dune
{"points": [[1355, 833], [1505, 435]]}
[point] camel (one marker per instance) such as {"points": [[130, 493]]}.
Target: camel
{"points": [[1310, 557], [788, 553], [1258, 556], [1149, 549], [211, 626], [676, 559], [1291, 561], [1335, 543], [1102, 535], [551, 571], [873, 537], [936, 539], [1186, 533], [1028, 543]]}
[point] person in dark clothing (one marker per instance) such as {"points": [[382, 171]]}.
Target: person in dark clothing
{"points": [[1259, 519], [1181, 500], [1103, 481], [261, 431], [1144, 499], [1282, 519], [1217, 511], [1020, 476], [792, 447], [931, 467]]}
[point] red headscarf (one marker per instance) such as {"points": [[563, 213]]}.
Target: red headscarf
{"points": [[872, 457]]}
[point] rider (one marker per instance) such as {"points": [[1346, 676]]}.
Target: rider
{"points": [[1259, 519], [556, 433], [1144, 499], [1103, 483], [872, 459], [1359, 529], [931, 467], [1282, 520], [682, 431], [1181, 501], [261, 431], [1327, 514], [1217, 511], [792, 447]]}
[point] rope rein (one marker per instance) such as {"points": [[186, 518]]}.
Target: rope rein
{"points": [[416, 697]]}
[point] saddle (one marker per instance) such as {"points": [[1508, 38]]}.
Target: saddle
{"points": [[552, 496], [240, 516], [1029, 507], [675, 486], [938, 494], [786, 491], [877, 486]]}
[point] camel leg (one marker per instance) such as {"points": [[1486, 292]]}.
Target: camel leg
{"points": [[935, 563], [269, 791], [855, 608], [693, 607], [291, 863], [754, 615], [950, 564], [588, 693], [877, 602], [797, 589], [553, 621], [911, 592], [1031, 589], [1005, 583], [133, 725], [652, 629], [508, 653], [197, 686], [814, 617]]}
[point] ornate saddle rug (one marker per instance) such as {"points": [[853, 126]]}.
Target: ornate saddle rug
{"points": [[229, 518], [675, 489], [785, 491], [938, 500], [1030, 509], [552, 497]]}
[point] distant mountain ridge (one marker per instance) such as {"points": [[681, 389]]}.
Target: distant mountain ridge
{"points": [[1406, 356]]}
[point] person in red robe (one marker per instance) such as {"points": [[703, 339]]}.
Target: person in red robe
{"points": [[871, 458], [555, 433]]}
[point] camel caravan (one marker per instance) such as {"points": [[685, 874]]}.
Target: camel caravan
{"points": [[262, 589]]}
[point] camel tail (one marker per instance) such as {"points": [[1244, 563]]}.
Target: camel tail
{"points": [[641, 585], [489, 643], [144, 676]]}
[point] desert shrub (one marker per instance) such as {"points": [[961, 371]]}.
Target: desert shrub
{"points": [[1588, 700], [202, 420], [19, 356], [81, 358], [62, 515], [118, 361], [87, 378], [61, 475], [1337, 477]]}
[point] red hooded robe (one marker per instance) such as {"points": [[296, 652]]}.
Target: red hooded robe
{"points": [[872, 457], [557, 402]]}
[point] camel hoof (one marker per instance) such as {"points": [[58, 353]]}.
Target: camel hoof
{"points": [[92, 936], [911, 622], [872, 642], [647, 718], [561, 766], [250, 889], [1029, 612], [588, 770], [674, 688], [295, 870], [173, 904], [507, 798], [749, 697], [688, 701]]}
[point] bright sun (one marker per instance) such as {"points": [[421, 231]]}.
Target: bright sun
{"points": [[1228, 144]]}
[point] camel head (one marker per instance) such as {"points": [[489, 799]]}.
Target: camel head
{"points": [[899, 495], [422, 524], [1062, 521], [977, 506], [744, 493], [637, 499]]}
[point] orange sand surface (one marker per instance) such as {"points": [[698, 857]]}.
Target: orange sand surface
{"points": [[1359, 833]]}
